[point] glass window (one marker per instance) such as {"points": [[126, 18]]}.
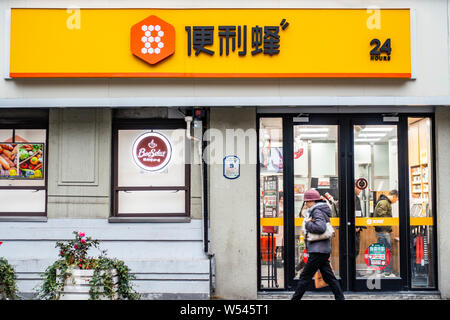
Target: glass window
{"points": [[23, 171], [6, 135], [23, 201], [376, 201], [152, 174], [29, 135], [271, 202], [153, 202], [420, 202], [131, 174], [316, 166]]}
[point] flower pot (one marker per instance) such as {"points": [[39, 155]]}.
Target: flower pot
{"points": [[77, 286]]}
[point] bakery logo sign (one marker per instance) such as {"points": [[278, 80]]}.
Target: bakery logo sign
{"points": [[152, 39], [152, 152]]}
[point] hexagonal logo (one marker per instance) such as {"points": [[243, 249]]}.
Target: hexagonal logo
{"points": [[152, 39]]}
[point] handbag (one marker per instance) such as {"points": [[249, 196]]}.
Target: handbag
{"points": [[328, 234]]}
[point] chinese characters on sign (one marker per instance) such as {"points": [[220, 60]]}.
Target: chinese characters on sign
{"points": [[377, 256], [264, 39]]}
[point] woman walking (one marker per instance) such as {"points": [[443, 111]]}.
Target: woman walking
{"points": [[318, 251]]}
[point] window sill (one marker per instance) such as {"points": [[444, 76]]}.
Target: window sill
{"points": [[149, 219], [22, 219]]}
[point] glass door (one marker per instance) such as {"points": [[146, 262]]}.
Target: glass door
{"points": [[376, 212], [422, 230], [271, 204], [377, 178], [315, 158]]}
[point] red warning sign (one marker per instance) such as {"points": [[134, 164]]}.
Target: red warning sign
{"points": [[361, 183]]}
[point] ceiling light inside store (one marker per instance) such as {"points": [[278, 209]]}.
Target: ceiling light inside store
{"points": [[370, 135], [366, 140], [379, 129], [313, 129], [314, 135]]}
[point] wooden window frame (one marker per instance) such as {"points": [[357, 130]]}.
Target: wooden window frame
{"points": [[36, 125], [152, 124]]}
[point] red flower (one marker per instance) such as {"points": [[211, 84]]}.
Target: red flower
{"points": [[75, 247], [61, 253], [80, 265], [83, 240], [1, 243], [81, 234]]}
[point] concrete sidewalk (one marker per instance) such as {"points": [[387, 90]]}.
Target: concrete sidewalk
{"points": [[398, 295]]}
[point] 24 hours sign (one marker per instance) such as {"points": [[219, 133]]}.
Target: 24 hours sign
{"points": [[211, 43]]}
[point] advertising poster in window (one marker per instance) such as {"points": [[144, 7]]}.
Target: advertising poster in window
{"points": [[270, 196], [377, 256], [22, 161]]}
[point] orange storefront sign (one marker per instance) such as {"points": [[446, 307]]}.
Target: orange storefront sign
{"points": [[211, 43], [152, 39]]}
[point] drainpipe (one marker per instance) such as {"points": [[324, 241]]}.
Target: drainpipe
{"points": [[204, 206], [188, 120]]}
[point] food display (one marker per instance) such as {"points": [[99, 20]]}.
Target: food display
{"points": [[21, 161]]}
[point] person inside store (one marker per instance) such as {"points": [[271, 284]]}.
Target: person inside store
{"points": [[318, 215], [383, 209]]}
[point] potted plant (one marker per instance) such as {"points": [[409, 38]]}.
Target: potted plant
{"points": [[8, 287], [76, 276]]}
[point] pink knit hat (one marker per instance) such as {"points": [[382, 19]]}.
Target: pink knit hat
{"points": [[311, 195]]}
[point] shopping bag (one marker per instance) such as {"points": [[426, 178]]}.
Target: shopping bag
{"points": [[318, 280]]}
